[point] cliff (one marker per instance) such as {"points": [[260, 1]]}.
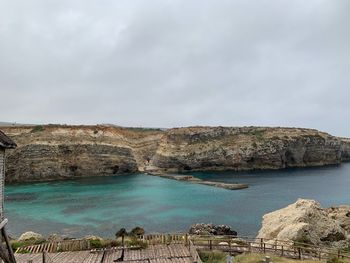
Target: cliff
{"points": [[205, 148], [345, 149], [58, 151]]}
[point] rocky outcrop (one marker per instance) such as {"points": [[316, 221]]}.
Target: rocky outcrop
{"points": [[307, 222], [345, 149], [341, 214], [31, 236], [219, 148], [211, 229], [57, 151]]}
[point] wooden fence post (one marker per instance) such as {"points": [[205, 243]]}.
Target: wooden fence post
{"points": [[44, 257], [264, 248], [299, 253], [282, 250]]}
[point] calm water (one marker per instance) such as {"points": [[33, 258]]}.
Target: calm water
{"points": [[103, 205]]}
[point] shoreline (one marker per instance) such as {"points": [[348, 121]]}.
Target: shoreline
{"points": [[184, 173]]}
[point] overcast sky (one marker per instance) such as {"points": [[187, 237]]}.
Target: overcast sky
{"points": [[176, 63]]}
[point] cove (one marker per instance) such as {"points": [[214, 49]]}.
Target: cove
{"points": [[102, 205]]}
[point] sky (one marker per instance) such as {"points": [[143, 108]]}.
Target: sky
{"points": [[175, 63]]}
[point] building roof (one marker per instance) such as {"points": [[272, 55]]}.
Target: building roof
{"points": [[6, 142]]}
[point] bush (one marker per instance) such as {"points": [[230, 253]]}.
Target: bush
{"points": [[38, 128], [137, 231], [304, 240], [16, 244], [96, 243], [212, 256], [136, 243], [334, 259]]}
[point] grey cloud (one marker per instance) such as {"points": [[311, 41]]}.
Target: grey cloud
{"points": [[176, 63]]}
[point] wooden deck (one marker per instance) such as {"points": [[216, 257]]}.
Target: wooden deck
{"points": [[174, 253]]}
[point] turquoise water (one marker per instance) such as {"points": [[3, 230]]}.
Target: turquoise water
{"points": [[102, 205]]}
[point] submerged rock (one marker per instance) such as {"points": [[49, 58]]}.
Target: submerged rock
{"points": [[306, 221], [211, 229]]}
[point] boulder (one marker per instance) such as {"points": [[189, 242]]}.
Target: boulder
{"points": [[341, 214], [92, 237], [211, 229], [304, 221], [54, 238], [32, 236]]}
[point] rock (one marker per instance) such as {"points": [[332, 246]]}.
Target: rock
{"points": [[245, 148], [92, 237], [211, 229], [55, 238], [62, 151], [304, 221], [32, 236], [342, 215]]}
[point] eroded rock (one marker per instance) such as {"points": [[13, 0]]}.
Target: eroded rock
{"points": [[211, 229], [305, 221], [32, 236]]}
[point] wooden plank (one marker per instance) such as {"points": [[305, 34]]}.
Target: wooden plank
{"points": [[3, 223]]}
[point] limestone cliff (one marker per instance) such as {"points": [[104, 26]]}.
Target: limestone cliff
{"points": [[219, 148], [345, 149], [307, 222], [59, 151], [54, 152]]}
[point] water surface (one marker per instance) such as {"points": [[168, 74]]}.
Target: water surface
{"points": [[102, 205]]}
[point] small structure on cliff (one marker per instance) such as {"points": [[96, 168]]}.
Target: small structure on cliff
{"points": [[6, 253]]}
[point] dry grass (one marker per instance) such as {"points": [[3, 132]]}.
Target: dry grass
{"points": [[220, 257], [256, 258]]}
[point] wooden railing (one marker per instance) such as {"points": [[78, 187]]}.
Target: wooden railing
{"points": [[154, 239], [230, 244], [61, 246], [283, 248]]}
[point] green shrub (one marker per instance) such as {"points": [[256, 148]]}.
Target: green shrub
{"points": [[38, 128], [96, 243], [137, 231], [16, 244], [212, 256], [334, 259], [304, 240], [136, 243]]}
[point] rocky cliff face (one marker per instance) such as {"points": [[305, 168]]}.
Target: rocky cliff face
{"points": [[307, 222], [203, 148], [345, 149], [53, 151]]}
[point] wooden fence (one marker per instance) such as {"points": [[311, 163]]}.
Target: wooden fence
{"points": [[230, 244], [237, 245], [62, 246]]}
